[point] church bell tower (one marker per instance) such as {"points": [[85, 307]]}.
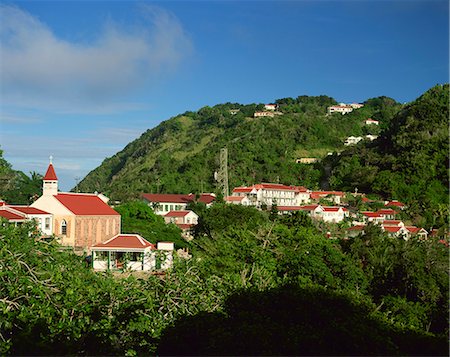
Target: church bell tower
{"points": [[50, 181]]}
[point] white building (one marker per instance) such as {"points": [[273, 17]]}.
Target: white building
{"points": [[163, 203], [131, 252], [20, 214], [271, 193]]}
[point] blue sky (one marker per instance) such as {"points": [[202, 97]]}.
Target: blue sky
{"points": [[80, 80]]}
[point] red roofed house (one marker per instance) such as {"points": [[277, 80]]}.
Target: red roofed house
{"points": [[19, 214], [238, 200], [334, 214], [370, 121], [181, 217], [163, 203], [80, 220], [395, 204], [374, 217], [334, 196], [270, 193], [131, 252], [387, 213]]}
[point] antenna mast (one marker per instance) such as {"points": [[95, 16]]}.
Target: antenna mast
{"points": [[222, 175]]}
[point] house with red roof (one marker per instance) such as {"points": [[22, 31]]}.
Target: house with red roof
{"points": [[334, 196], [374, 217], [163, 203], [370, 121], [131, 252], [314, 211], [19, 214], [395, 204], [334, 214], [181, 217], [238, 200], [273, 193], [80, 220]]}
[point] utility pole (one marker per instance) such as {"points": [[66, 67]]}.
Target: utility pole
{"points": [[222, 176]]}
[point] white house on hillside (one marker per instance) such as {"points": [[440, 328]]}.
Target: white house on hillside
{"points": [[163, 203], [272, 193]]}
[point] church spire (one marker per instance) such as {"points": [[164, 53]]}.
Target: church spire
{"points": [[50, 181]]}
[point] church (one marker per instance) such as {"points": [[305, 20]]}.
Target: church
{"points": [[80, 220]]}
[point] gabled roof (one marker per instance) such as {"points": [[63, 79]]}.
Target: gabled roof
{"points": [[392, 229], [206, 198], [83, 204], [50, 175], [12, 217], [392, 222], [177, 213], [275, 186], [386, 211], [125, 241], [415, 230], [395, 203], [371, 214], [309, 207], [28, 210]]}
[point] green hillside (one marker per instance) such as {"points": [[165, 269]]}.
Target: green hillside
{"points": [[409, 161], [181, 154]]}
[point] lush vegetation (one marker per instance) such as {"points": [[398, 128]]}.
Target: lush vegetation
{"points": [[408, 162], [181, 154], [139, 218], [15, 186], [257, 284]]}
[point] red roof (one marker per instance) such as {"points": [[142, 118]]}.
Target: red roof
{"points": [[395, 204], [333, 209], [386, 211], [371, 214], [414, 230], [392, 229], [50, 175], [308, 207], [275, 186], [177, 213], [318, 194], [243, 189], [128, 241], [389, 222], [85, 204], [28, 210], [11, 216], [178, 198]]}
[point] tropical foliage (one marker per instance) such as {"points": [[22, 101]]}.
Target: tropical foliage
{"points": [[288, 289], [408, 162]]}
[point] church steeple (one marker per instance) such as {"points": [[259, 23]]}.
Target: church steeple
{"points": [[50, 181]]}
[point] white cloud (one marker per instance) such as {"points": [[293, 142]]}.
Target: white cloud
{"points": [[39, 69]]}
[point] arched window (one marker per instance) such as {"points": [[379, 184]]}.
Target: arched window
{"points": [[64, 227]]}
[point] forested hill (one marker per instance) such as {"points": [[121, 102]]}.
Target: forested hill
{"points": [[409, 161], [181, 154]]}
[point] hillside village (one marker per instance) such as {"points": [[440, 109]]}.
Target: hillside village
{"points": [[86, 223]]}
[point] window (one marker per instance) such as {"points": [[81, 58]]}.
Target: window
{"points": [[47, 223], [64, 227]]}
